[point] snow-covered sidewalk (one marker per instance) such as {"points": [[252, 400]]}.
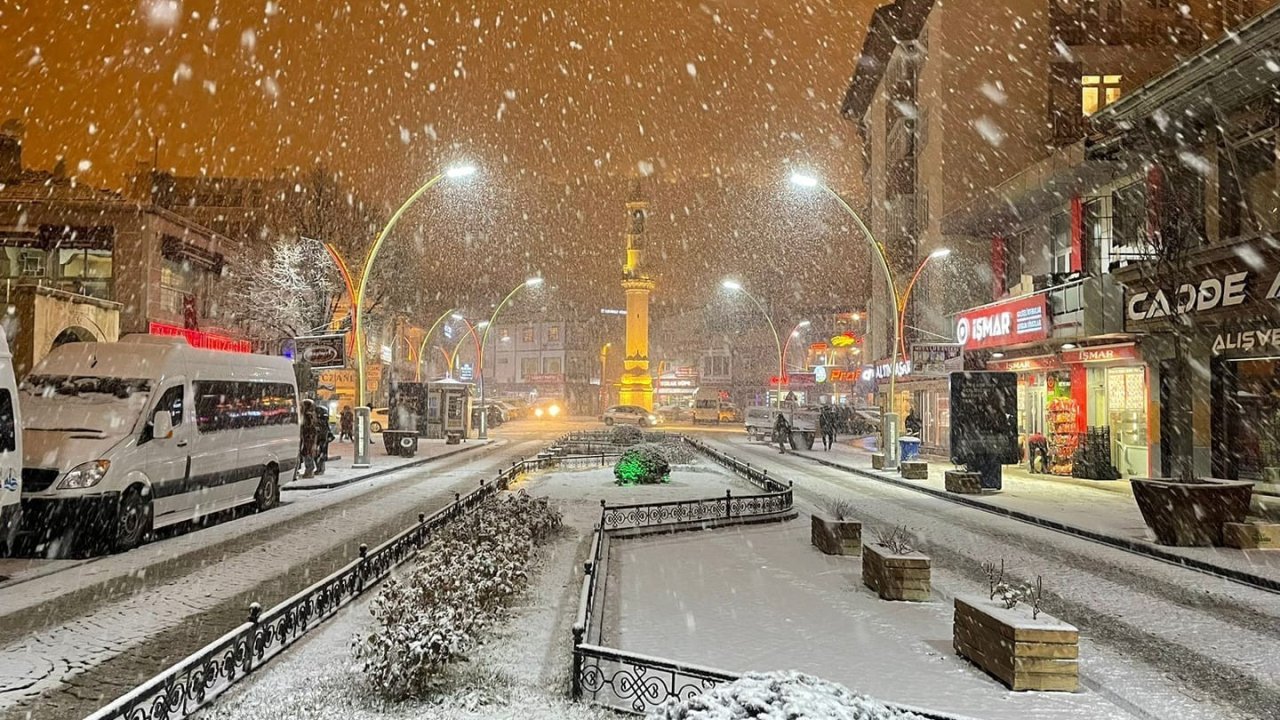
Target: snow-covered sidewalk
{"points": [[339, 472], [1107, 508]]}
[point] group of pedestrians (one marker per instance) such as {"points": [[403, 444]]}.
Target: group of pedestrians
{"points": [[316, 435]]}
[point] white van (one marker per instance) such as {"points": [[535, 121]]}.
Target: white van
{"points": [[121, 438], [10, 451]]}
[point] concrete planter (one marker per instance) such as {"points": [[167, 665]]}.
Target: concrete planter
{"points": [[1191, 513], [1022, 653], [895, 577], [877, 461], [1251, 535], [964, 483], [836, 537], [914, 469]]}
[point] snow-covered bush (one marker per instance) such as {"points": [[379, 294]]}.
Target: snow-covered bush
{"points": [[779, 696], [642, 465], [461, 582], [674, 451], [625, 435]]}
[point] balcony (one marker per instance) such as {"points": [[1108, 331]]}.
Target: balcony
{"points": [[1084, 307], [901, 140]]}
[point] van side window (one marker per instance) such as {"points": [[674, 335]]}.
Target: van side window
{"points": [[171, 400], [232, 405], [8, 430]]}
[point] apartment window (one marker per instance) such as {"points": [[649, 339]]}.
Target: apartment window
{"points": [[1098, 91], [528, 367], [715, 366], [1060, 243], [526, 335], [1015, 260], [553, 334], [551, 366]]}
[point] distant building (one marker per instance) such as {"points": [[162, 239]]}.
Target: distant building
{"points": [[79, 263]]}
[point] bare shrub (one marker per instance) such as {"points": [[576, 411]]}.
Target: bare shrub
{"points": [[838, 508], [896, 540]]}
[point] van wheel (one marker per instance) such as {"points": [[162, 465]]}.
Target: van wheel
{"points": [[608, 421], [268, 494], [375, 427], [133, 519]]}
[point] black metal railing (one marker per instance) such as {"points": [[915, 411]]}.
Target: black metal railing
{"points": [[195, 681]]}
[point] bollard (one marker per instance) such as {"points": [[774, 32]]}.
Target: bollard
{"points": [[255, 612], [422, 517]]}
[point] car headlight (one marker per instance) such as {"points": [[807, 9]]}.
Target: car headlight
{"points": [[538, 412], [555, 410], [84, 475], [653, 418]]}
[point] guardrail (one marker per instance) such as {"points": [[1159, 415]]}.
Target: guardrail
{"points": [[196, 680]]}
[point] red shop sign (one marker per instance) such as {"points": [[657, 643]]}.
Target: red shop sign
{"points": [[1008, 323], [1101, 354], [1027, 364]]}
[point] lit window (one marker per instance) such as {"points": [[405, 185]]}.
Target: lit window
{"points": [[1097, 92]]}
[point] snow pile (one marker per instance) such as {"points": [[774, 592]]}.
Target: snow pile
{"points": [[461, 582], [779, 696]]}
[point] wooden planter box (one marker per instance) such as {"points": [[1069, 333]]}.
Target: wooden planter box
{"points": [[877, 461], [895, 577], [1191, 513], [1025, 654], [965, 483], [914, 469], [1251, 535], [836, 537]]}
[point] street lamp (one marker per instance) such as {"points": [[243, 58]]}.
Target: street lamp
{"points": [[795, 333], [530, 283], [906, 295], [735, 286], [604, 357], [426, 338], [361, 459], [889, 419]]}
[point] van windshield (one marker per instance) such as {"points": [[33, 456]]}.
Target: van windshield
{"points": [[81, 403]]}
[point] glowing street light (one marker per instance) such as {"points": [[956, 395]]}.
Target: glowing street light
{"points": [[735, 286], [938, 254], [795, 333], [889, 418], [361, 459], [488, 325]]}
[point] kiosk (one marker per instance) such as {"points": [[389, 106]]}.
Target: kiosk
{"points": [[449, 410]]}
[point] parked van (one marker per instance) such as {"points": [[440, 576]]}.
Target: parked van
{"points": [[706, 406], [10, 451], [123, 438]]}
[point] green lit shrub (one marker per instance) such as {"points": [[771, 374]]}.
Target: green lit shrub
{"points": [[642, 465]]}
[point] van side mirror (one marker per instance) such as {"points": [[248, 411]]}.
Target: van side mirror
{"points": [[162, 425]]}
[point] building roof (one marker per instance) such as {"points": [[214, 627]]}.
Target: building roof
{"points": [[44, 186], [1238, 67], [890, 25]]}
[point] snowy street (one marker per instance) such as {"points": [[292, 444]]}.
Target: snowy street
{"points": [[1191, 635], [74, 639]]}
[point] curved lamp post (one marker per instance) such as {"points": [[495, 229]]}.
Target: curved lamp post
{"points": [[795, 333], [889, 419], [422, 347], [604, 357], [735, 286], [471, 330], [906, 294], [361, 459], [484, 419]]}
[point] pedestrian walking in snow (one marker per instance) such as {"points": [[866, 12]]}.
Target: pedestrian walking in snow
{"points": [[324, 436], [309, 442], [828, 423], [781, 432], [347, 425]]}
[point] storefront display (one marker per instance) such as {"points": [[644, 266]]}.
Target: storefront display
{"points": [[1064, 435]]}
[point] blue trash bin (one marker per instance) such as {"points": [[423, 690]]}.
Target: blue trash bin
{"points": [[909, 448]]}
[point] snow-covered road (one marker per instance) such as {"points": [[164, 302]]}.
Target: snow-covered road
{"points": [[76, 638], [1153, 633]]}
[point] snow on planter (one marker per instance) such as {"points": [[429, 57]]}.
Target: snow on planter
{"points": [[1023, 652], [779, 696]]}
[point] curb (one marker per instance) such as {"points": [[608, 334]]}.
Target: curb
{"points": [[386, 471], [1133, 546]]}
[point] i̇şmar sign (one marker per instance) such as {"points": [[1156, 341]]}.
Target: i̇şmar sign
{"points": [[1012, 322], [984, 417]]}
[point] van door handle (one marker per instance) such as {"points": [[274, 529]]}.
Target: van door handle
{"points": [[182, 443]]}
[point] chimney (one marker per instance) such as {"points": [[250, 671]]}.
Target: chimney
{"points": [[11, 133]]}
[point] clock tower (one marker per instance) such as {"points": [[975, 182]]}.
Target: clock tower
{"points": [[636, 385]]}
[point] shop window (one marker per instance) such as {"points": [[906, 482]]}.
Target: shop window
{"points": [[1015, 260], [528, 367], [551, 366], [1247, 428], [1097, 92]]}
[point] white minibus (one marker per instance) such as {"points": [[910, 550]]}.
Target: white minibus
{"points": [[122, 438], [10, 451]]}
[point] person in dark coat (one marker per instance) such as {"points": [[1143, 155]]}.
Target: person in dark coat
{"points": [[914, 424], [324, 436], [347, 425], [828, 423], [310, 440], [781, 432]]}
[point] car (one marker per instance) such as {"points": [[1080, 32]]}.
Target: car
{"points": [[629, 415], [546, 409], [378, 419]]}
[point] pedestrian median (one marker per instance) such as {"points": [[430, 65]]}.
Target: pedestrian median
{"points": [[339, 471]]}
